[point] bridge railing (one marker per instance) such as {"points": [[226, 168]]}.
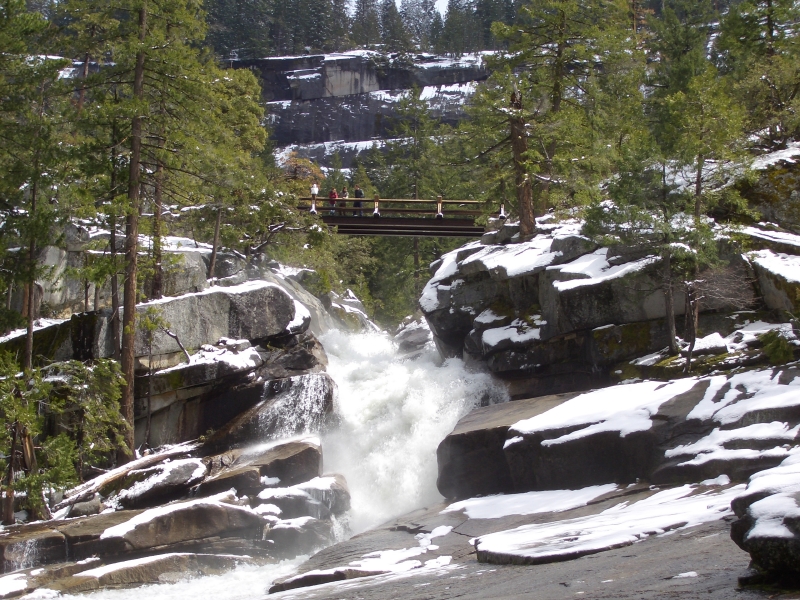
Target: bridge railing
{"points": [[397, 207]]}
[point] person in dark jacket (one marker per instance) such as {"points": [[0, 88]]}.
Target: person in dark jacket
{"points": [[358, 193]]}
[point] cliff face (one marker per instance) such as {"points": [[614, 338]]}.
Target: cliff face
{"points": [[350, 98], [556, 314]]}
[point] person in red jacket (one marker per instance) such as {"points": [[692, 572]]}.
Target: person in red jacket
{"points": [[332, 198]]}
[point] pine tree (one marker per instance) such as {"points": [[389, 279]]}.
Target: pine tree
{"points": [[239, 28], [761, 52], [366, 27], [338, 30], [394, 36], [539, 112]]}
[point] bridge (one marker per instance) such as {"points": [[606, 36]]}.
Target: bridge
{"points": [[408, 217]]}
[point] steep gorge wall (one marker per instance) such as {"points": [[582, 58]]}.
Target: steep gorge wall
{"points": [[351, 97]]}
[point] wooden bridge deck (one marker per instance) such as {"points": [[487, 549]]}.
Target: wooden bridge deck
{"points": [[400, 216]]}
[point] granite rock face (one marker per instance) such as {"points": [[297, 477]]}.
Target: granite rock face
{"points": [[555, 313], [684, 431]]}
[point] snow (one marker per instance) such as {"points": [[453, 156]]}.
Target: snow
{"points": [[781, 237], [624, 409], [236, 361], [728, 399], [37, 324], [488, 318], [618, 526], [139, 463], [514, 260], [685, 575], [142, 519], [591, 269], [247, 286], [13, 583], [518, 332], [127, 564], [786, 266], [166, 469], [429, 301], [711, 342], [785, 478], [301, 316], [789, 154], [400, 561], [712, 446], [529, 503], [769, 514]]}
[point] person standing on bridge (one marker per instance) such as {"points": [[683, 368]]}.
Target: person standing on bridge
{"points": [[332, 197], [343, 205], [357, 203]]}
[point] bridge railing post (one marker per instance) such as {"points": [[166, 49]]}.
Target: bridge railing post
{"points": [[377, 212], [313, 210], [439, 213], [502, 215]]}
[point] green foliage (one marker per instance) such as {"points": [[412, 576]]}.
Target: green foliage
{"points": [[71, 412], [777, 348]]}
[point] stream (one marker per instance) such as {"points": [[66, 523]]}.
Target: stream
{"points": [[392, 414]]}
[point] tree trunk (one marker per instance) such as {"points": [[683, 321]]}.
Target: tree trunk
{"points": [[131, 238], [416, 267], [698, 187], [212, 264], [115, 308], [158, 272], [519, 147], [8, 505], [669, 303], [693, 315], [27, 359]]}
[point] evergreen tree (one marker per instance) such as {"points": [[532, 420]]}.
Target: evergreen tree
{"points": [[540, 114], [338, 30], [394, 36], [239, 28], [760, 49], [418, 17], [366, 27]]}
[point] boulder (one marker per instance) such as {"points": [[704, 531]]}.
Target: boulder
{"points": [[768, 525], [189, 521], [412, 336], [285, 463], [778, 278], [254, 311], [245, 480], [471, 459], [288, 407], [303, 535], [161, 568], [144, 488], [319, 498], [682, 431], [298, 355]]}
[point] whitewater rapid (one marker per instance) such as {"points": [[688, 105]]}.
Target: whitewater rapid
{"points": [[390, 415]]}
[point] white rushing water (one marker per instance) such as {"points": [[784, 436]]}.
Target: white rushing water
{"points": [[391, 414]]}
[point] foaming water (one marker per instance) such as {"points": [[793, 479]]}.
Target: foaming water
{"points": [[392, 416]]}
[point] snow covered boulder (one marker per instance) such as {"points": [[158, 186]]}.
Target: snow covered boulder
{"points": [[160, 568], [768, 527], [143, 488], [320, 498], [778, 278], [189, 521], [254, 311], [284, 463]]}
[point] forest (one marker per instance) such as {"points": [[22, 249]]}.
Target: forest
{"points": [[121, 116]]}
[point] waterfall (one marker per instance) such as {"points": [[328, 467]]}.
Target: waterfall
{"points": [[391, 415]]}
